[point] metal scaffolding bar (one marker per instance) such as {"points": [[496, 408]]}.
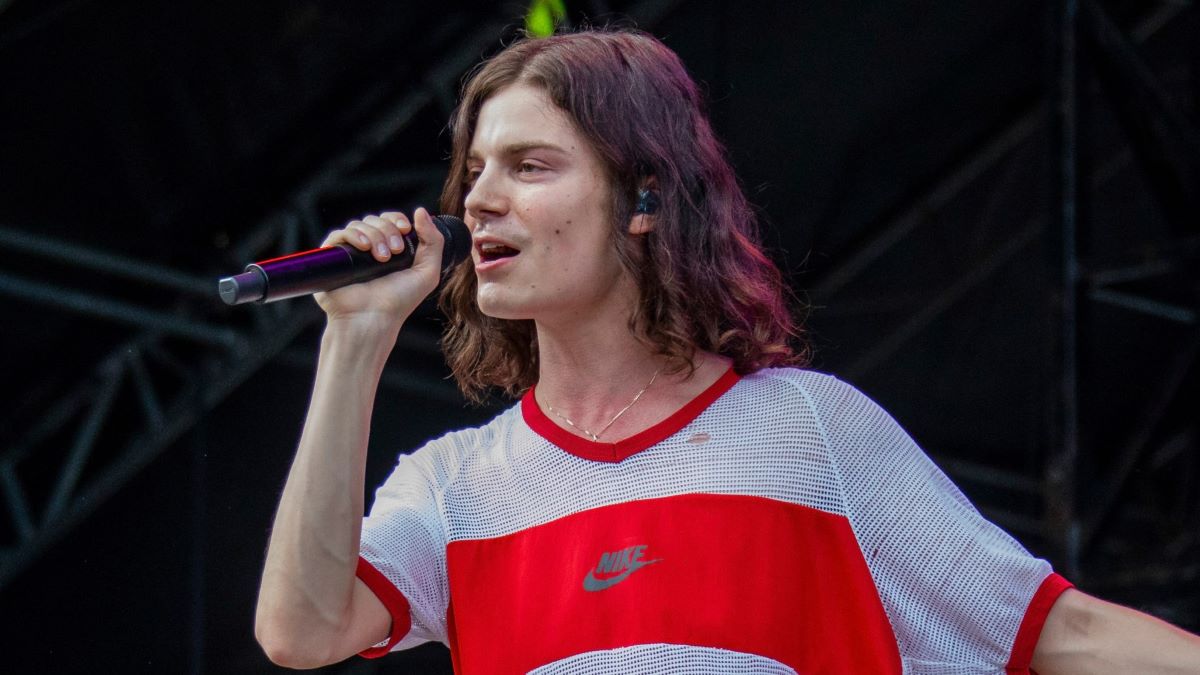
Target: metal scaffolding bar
{"points": [[18, 505], [1062, 526], [151, 406], [1144, 305], [116, 310], [85, 441], [88, 258]]}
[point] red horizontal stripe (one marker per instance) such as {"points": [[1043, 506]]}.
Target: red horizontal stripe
{"points": [[746, 574]]}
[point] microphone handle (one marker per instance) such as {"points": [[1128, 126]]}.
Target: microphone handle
{"points": [[325, 269]]}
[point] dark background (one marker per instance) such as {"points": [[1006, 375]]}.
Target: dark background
{"points": [[990, 209]]}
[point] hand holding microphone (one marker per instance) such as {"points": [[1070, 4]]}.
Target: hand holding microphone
{"points": [[356, 257]]}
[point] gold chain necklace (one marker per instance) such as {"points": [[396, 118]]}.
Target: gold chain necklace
{"points": [[596, 436]]}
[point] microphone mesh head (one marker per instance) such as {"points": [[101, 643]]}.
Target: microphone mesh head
{"points": [[458, 240]]}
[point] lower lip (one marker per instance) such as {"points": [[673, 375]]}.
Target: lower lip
{"points": [[487, 266]]}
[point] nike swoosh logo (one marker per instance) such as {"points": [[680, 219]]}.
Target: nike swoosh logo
{"points": [[591, 583]]}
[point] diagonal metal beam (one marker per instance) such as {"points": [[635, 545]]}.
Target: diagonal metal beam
{"points": [[85, 442], [93, 305], [1144, 262], [1144, 305], [86, 257], [18, 505]]}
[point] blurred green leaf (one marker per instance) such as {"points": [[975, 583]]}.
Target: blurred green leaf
{"points": [[544, 16]]}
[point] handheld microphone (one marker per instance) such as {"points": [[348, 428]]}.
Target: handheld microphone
{"points": [[324, 269]]}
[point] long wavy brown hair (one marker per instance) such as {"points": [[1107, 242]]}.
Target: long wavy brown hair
{"points": [[704, 281]]}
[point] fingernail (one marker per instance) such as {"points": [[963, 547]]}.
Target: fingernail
{"points": [[362, 238], [382, 250], [396, 242]]}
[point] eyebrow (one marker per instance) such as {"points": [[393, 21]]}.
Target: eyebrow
{"points": [[524, 146]]}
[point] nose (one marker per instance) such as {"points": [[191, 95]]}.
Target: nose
{"points": [[486, 198]]}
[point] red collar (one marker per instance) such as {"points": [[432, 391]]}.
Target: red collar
{"points": [[600, 451]]}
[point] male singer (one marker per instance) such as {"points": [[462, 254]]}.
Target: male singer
{"points": [[672, 493]]}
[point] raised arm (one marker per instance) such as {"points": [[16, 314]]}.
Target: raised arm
{"points": [[1086, 635], [312, 610]]}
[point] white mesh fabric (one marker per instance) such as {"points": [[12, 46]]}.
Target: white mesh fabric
{"points": [[954, 586], [521, 480], [655, 659], [404, 537]]}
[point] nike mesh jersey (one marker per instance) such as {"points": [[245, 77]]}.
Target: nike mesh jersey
{"points": [[779, 523]]}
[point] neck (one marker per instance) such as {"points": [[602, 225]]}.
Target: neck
{"points": [[590, 371], [591, 367], [594, 364]]}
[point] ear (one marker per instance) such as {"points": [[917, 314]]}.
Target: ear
{"points": [[641, 223]]}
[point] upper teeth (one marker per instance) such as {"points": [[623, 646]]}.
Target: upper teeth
{"points": [[490, 246]]}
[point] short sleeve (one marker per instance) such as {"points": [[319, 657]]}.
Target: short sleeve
{"points": [[403, 552], [961, 594]]}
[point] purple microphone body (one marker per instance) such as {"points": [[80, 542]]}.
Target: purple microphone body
{"points": [[325, 269]]}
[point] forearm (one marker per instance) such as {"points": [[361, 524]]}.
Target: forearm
{"points": [[1087, 635], [308, 579]]}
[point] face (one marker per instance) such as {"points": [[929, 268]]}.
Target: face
{"points": [[538, 208]]}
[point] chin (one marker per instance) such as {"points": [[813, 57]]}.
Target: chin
{"points": [[499, 314], [500, 308]]}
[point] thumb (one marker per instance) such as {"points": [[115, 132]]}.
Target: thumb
{"points": [[430, 242]]}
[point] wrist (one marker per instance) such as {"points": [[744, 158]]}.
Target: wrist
{"points": [[367, 340]]}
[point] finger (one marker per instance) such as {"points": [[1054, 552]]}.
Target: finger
{"points": [[402, 224], [367, 237], [399, 220], [350, 234], [430, 250], [391, 233]]}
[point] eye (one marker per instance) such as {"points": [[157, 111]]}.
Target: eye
{"points": [[529, 167], [471, 176]]}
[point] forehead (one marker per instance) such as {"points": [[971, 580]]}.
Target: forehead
{"points": [[522, 115]]}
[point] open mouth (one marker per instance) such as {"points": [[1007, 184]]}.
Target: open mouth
{"points": [[489, 252]]}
